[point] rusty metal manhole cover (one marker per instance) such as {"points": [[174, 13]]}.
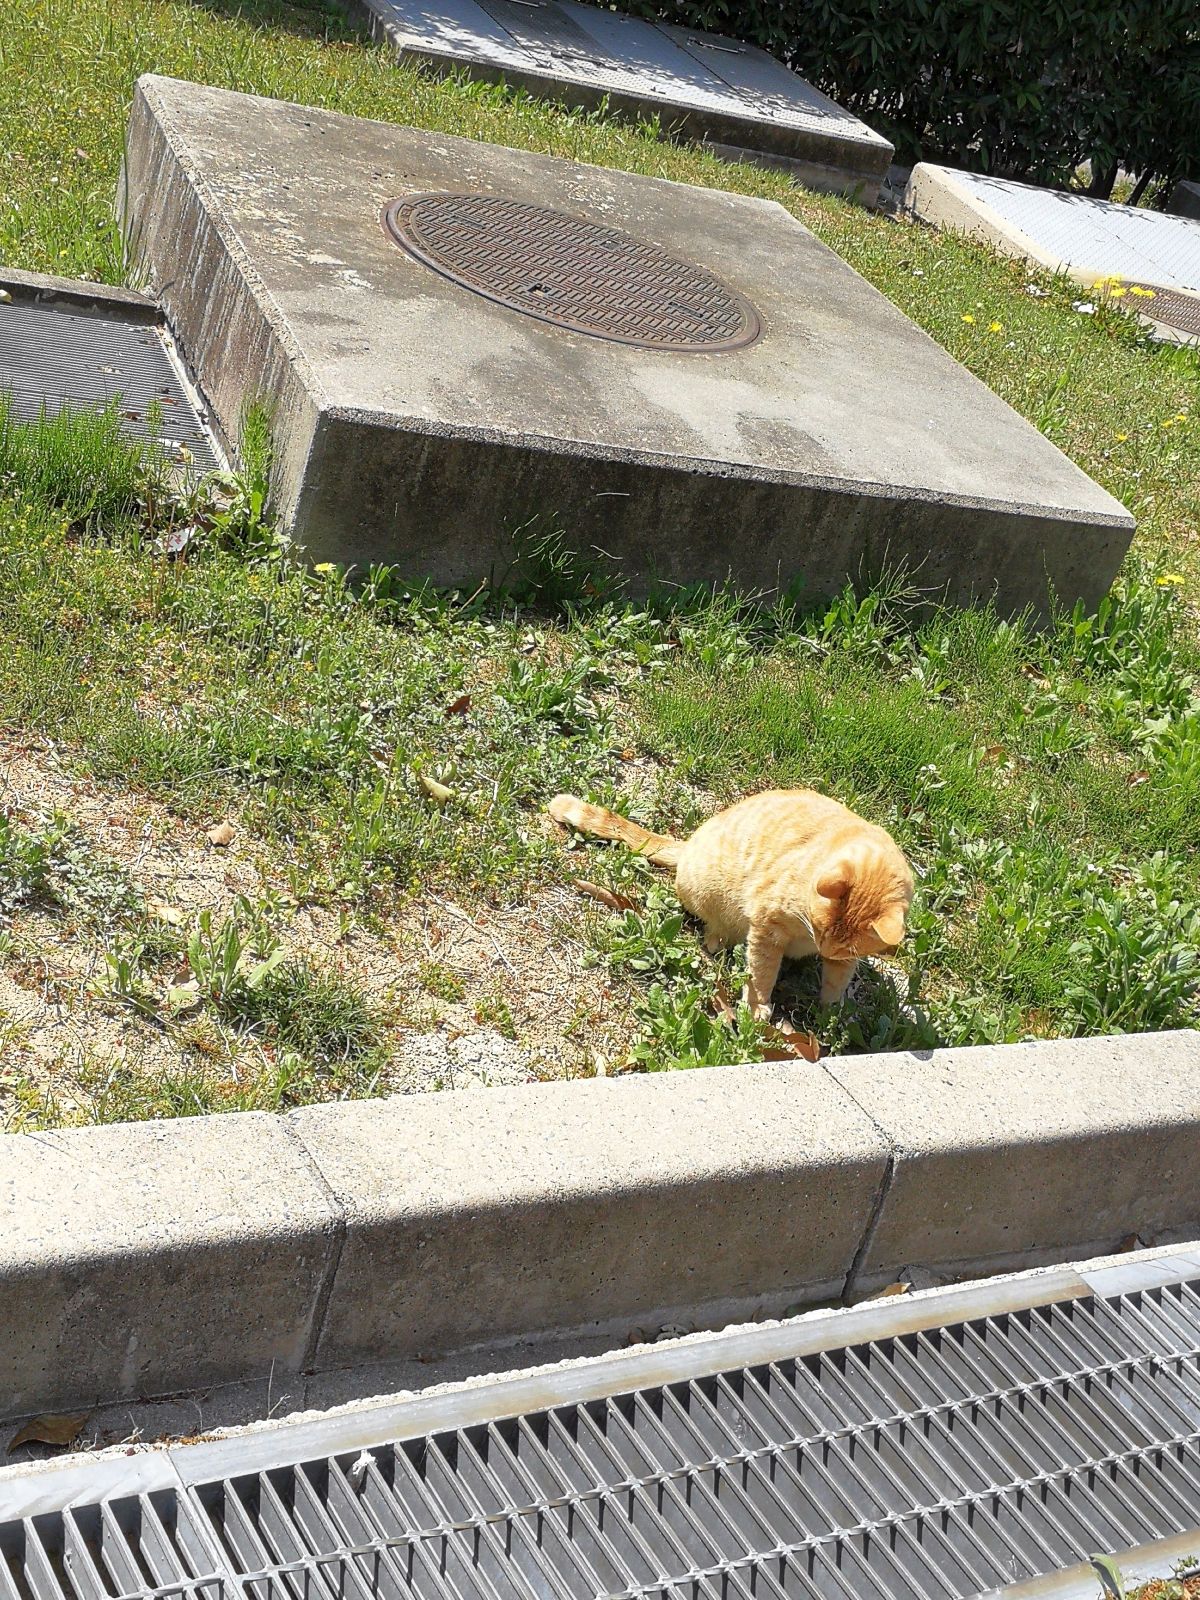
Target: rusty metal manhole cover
{"points": [[572, 272], [1168, 306]]}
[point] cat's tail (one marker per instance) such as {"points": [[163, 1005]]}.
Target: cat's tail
{"points": [[660, 848]]}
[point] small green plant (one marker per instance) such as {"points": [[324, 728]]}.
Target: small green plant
{"points": [[231, 960], [124, 975], [53, 862], [234, 509], [319, 1015], [678, 1031], [440, 981], [494, 1011], [655, 942]]}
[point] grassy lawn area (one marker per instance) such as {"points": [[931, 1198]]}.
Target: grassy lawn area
{"points": [[388, 907]]}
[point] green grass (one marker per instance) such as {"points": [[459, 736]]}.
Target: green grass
{"points": [[1045, 784], [80, 461], [1046, 787]]}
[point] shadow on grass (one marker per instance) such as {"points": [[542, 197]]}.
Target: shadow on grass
{"points": [[303, 19]]}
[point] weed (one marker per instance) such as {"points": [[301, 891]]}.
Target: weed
{"points": [[493, 1011], [319, 1015], [79, 460], [53, 862], [679, 1030], [440, 981]]}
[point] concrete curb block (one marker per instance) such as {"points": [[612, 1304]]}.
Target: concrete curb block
{"points": [[105, 299], [147, 1258]]}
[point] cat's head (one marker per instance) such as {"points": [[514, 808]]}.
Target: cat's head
{"points": [[861, 900]]}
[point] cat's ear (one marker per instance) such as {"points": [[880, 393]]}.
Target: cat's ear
{"points": [[835, 884], [888, 927]]}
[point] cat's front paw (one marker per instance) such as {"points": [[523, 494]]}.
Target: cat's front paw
{"points": [[760, 1010]]}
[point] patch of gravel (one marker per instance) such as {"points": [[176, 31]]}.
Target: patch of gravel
{"points": [[483, 1060]]}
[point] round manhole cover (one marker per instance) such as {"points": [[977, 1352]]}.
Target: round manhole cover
{"points": [[571, 272], [1181, 311]]}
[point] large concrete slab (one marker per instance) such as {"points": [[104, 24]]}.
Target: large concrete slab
{"points": [[1016, 1153], [420, 423], [731, 96], [1089, 240], [558, 1205], [141, 1258]]}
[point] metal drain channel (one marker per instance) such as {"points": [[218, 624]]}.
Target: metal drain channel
{"points": [[929, 1461], [51, 357]]}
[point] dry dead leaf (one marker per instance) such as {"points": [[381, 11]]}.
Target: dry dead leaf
{"points": [[1131, 1241], [458, 707], [436, 791], [993, 752], [1134, 778], [165, 913], [892, 1290], [606, 897], [789, 1044], [51, 1429], [723, 1005], [222, 834]]}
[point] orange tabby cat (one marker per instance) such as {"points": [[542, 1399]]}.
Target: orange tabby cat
{"points": [[790, 872]]}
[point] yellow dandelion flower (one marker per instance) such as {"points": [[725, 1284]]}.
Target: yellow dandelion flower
{"points": [[1121, 438], [1181, 416], [1142, 294], [1116, 291], [995, 327], [1169, 423], [1170, 580], [324, 566], [968, 316]]}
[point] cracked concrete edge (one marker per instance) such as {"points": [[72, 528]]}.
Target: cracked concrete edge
{"points": [[143, 1259]]}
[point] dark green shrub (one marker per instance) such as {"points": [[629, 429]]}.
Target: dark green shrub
{"points": [[1024, 89]]}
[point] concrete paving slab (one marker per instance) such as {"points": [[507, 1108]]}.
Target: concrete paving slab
{"points": [[136, 1255], [1020, 1153], [559, 1205], [420, 423], [1087, 239], [729, 95]]}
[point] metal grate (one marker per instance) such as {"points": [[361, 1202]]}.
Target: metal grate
{"points": [[577, 274], [51, 358], [938, 1462], [1175, 310]]}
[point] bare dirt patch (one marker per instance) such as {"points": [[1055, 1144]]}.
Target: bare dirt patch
{"points": [[469, 991]]}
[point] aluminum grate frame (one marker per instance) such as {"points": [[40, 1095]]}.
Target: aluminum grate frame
{"points": [[51, 357], [936, 1462]]}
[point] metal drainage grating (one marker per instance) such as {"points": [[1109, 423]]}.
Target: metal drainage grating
{"points": [[50, 358], [1170, 307], [577, 274], [934, 1462]]}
